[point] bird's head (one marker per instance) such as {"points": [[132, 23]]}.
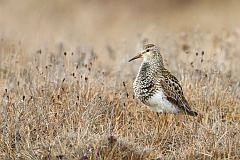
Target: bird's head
{"points": [[150, 52]]}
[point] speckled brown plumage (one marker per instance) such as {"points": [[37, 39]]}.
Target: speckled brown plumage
{"points": [[156, 87]]}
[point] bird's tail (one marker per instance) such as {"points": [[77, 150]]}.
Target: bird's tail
{"points": [[192, 113]]}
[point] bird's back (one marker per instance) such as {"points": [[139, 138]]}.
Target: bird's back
{"points": [[174, 92]]}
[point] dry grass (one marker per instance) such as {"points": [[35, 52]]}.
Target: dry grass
{"points": [[63, 105], [76, 101]]}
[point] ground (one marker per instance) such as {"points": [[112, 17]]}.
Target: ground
{"points": [[66, 84]]}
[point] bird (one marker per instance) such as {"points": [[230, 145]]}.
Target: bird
{"points": [[156, 87]]}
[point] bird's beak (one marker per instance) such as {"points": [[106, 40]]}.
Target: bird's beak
{"points": [[136, 57]]}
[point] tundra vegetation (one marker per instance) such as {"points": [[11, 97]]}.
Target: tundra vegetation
{"points": [[66, 84]]}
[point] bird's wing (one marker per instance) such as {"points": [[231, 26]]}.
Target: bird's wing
{"points": [[173, 91]]}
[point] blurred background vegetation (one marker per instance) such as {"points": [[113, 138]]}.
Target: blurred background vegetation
{"points": [[98, 22]]}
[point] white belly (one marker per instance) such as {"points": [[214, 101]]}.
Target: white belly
{"points": [[159, 103]]}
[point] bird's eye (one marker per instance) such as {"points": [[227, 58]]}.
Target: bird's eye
{"points": [[147, 50]]}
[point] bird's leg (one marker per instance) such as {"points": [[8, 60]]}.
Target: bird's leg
{"points": [[162, 120], [158, 122], [165, 120]]}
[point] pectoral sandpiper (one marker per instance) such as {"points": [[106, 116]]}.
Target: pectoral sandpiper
{"points": [[156, 87]]}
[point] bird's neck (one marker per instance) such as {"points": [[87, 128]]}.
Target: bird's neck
{"points": [[149, 68]]}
